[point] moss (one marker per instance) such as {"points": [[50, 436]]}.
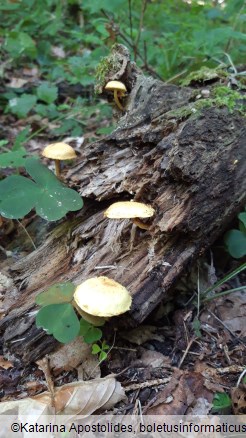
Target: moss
{"points": [[203, 75], [220, 96], [225, 96], [110, 64]]}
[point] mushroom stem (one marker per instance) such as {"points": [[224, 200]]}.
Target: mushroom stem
{"points": [[58, 168], [140, 224], [116, 99]]}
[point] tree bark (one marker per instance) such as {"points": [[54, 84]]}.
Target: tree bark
{"points": [[188, 163]]}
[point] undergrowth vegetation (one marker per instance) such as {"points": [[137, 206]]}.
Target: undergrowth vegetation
{"points": [[61, 42]]}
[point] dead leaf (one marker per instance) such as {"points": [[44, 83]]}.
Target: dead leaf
{"points": [[6, 364], [151, 358], [233, 313], [238, 396], [69, 356], [58, 52], [17, 82], [73, 399], [201, 407], [185, 390]]}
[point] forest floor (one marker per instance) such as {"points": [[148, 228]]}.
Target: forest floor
{"points": [[186, 357]]}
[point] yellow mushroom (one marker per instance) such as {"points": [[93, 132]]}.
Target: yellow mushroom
{"points": [[130, 210], [119, 90], [59, 152], [102, 297]]}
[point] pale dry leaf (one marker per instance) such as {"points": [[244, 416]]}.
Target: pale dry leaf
{"points": [[151, 358], [73, 399], [232, 311], [69, 356], [201, 407], [17, 82], [58, 52]]}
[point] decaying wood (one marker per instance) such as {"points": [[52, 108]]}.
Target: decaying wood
{"points": [[189, 166]]}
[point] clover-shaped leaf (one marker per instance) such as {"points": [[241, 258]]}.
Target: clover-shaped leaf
{"points": [[89, 332], [17, 195], [13, 158], [235, 241], [57, 293], [59, 320], [51, 199]]}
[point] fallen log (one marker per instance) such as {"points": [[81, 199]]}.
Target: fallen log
{"points": [[185, 157]]}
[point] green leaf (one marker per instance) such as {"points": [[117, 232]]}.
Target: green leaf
{"points": [[102, 356], [235, 242], [197, 326], [226, 278], [95, 349], [105, 346], [3, 143], [19, 43], [221, 402], [89, 332], [84, 327], [52, 200], [17, 195], [13, 158], [92, 335], [59, 320], [46, 92], [21, 138], [58, 293], [242, 218], [21, 106]]}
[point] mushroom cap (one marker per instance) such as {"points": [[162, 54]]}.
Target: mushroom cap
{"points": [[102, 296], [115, 85], [129, 210], [59, 151], [97, 321]]}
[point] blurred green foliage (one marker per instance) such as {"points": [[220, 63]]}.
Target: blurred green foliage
{"points": [[168, 36], [66, 39]]}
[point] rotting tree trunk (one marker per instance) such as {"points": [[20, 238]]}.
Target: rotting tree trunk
{"points": [[188, 164]]}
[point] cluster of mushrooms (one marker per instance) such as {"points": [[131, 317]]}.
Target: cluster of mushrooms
{"points": [[100, 298]]}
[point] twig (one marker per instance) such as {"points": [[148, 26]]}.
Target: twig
{"points": [[130, 17], [28, 235], [186, 352], [147, 384], [240, 377], [143, 9]]}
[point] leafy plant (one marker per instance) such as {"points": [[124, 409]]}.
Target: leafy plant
{"points": [[51, 199], [101, 350], [235, 240], [221, 403], [59, 320], [89, 332], [58, 317]]}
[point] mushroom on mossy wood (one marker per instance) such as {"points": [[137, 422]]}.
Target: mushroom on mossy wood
{"points": [[190, 166], [59, 152], [119, 90]]}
